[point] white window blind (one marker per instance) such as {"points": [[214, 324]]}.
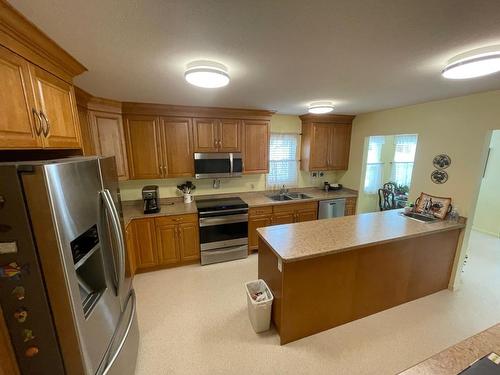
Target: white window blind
{"points": [[405, 147], [283, 160], [374, 165]]}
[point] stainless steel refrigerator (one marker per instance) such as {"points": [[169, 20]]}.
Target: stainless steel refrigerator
{"points": [[65, 287]]}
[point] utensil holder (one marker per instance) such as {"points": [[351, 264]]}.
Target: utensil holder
{"points": [[188, 198]]}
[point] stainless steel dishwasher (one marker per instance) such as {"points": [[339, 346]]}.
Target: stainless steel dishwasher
{"points": [[331, 208]]}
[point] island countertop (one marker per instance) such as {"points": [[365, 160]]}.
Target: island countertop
{"points": [[293, 242]]}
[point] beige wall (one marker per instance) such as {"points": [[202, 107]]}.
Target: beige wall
{"points": [[487, 217], [459, 127], [131, 190]]}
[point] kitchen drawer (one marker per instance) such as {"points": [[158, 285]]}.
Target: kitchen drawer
{"points": [[176, 219], [288, 207], [265, 210]]}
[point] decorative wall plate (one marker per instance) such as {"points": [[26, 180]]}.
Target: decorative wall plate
{"points": [[441, 161], [439, 177]]}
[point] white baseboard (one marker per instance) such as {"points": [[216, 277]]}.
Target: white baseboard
{"points": [[497, 235]]}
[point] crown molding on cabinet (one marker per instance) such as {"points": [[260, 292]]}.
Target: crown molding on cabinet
{"points": [[87, 100], [22, 37], [337, 119], [192, 111], [94, 103]]}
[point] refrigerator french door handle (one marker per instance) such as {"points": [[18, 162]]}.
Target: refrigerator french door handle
{"points": [[124, 338], [113, 213]]}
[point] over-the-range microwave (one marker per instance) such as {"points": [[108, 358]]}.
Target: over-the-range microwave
{"points": [[217, 164]]}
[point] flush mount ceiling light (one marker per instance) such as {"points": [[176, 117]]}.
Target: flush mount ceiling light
{"points": [[476, 63], [320, 107], [207, 74]]}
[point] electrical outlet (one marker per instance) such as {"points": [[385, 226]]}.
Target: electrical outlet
{"points": [[314, 174]]}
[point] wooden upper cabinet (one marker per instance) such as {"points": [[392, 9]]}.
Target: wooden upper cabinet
{"points": [[255, 146], [205, 135], [143, 147], [341, 141], [213, 135], [107, 131], [56, 104], [325, 142], [19, 126], [229, 136], [320, 147], [88, 146], [177, 150]]}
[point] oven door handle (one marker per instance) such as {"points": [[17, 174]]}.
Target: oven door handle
{"points": [[211, 221]]}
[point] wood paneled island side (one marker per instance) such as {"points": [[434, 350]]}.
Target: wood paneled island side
{"points": [[329, 272]]}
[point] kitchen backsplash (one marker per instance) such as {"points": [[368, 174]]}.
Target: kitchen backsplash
{"points": [[131, 190]]}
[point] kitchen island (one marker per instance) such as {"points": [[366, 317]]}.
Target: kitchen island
{"points": [[329, 272]]}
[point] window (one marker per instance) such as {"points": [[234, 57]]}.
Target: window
{"points": [[405, 147], [374, 165], [283, 160]]}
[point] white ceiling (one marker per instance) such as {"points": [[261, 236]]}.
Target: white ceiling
{"points": [[282, 54]]}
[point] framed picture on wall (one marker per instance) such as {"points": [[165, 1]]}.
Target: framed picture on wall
{"points": [[440, 205]]}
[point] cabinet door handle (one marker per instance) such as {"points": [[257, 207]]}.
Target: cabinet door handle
{"points": [[38, 129], [46, 128]]}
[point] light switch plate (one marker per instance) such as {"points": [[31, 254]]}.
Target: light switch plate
{"points": [[280, 265]]}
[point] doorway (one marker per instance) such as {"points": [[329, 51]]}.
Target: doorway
{"points": [[487, 216], [482, 263]]}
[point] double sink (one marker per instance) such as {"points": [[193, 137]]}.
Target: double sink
{"points": [[288, 196]]}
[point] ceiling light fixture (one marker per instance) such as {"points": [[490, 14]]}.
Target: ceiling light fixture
{"points": [[320, 107], [476, 63], [207, 74]]}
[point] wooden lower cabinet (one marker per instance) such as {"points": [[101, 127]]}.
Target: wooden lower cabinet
{"points": [[350, 206], [143, 243], [295, 212], [164, 241], [279, 214], [258, 218], [167, 244], [189, 241]]}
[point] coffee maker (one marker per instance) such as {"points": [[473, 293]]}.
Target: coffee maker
{"points": [[151, 197]]}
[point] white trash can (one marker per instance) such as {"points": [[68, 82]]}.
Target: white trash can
{"points": [[259, 309]]}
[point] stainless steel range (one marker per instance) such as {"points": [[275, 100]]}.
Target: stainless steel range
{"points": [[223, 229]]}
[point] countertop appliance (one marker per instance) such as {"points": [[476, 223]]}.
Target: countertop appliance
{"points": [[151, 196], [65, 286], [217, 164], [331, 208], [223, 229]]}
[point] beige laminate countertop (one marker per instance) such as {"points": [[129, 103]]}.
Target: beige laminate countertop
{"points": [[176, 206], [458, 357], [292, 242]]}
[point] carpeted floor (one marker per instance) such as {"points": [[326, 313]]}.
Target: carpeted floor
{"points": [[193, 320]]}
